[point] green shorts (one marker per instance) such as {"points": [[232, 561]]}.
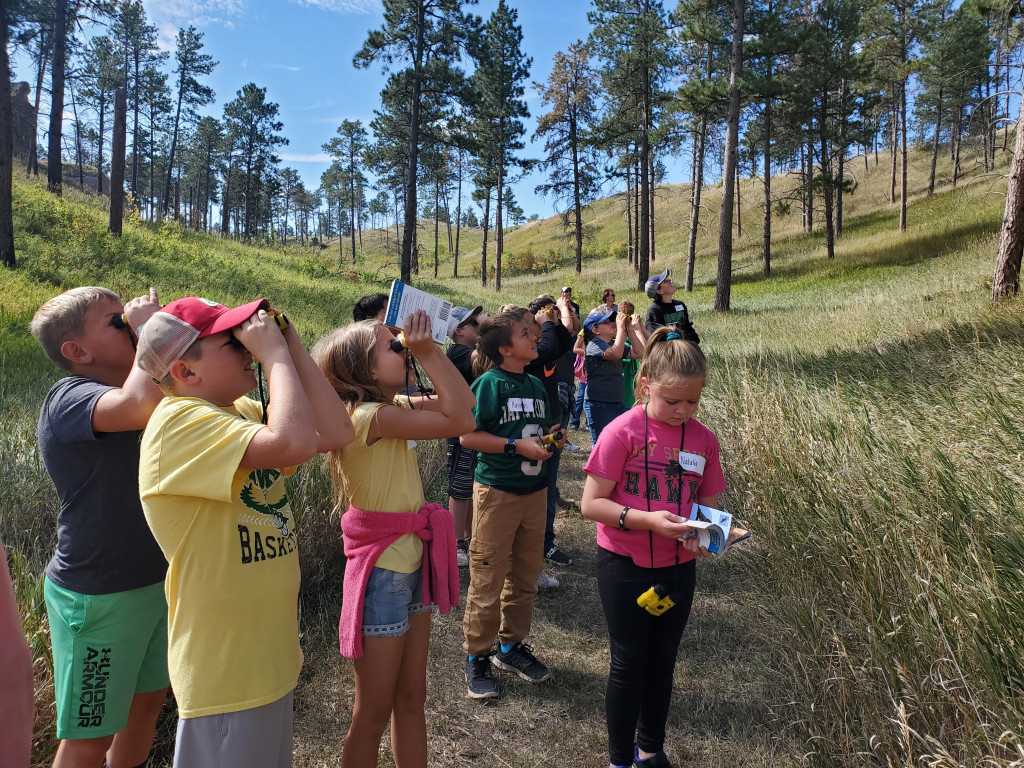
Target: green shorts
{"points": [[106, 649]]}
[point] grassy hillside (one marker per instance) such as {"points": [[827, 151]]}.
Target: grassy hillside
{"points": [[870, 417]]}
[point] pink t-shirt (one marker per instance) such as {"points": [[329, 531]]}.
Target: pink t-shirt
{"points": [[673, 484]]}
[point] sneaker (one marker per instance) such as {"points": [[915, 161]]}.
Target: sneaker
{"points": [[520, 659], [462, 552], [657, 760], [557, 557], [571, 448], [544, 581], [479, 680], [565, 504]]}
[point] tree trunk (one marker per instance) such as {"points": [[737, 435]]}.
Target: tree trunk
{"points": [[1006, 281], [117, 151], [483, 251], [437, 225], [408, 237], [766, 247], [32, 167], [576, 205], [630, 241], [458, 218], [654, 195], [99, 144], [935, 144], [54, 162], [826, 180], [352, 214], [810, 181], [723, 288], [498, 225], [954, 145], [903, 156], [892, 153], [739, 220], [6, 153], [644, 262], [699, 148]]}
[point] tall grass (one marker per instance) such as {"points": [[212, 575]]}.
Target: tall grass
{"points": [[872, 428]]}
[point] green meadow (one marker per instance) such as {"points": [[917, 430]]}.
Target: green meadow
{"points": [[871, 415]]}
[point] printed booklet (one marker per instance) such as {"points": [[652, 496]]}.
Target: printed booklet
{"points": [[404, 300], [713, 529]]}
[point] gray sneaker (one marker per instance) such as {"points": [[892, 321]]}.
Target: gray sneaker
{"points": [[544, 581], [521, 661], [479, 680], [462, 552]]}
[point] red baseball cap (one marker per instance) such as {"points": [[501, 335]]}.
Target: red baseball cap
{"points": [[175, 327]]}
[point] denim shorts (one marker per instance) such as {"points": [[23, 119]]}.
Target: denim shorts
{"points": [[391, 598]]}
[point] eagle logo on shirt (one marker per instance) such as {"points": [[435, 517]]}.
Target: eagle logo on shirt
{"points": [[264, 493]]}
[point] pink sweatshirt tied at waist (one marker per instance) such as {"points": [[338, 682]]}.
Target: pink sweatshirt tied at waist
{"points": [[367, 535]]}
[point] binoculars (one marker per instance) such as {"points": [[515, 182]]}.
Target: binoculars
{"points": [[657, 599], [549, 441], [280, 319], [398, 343]]}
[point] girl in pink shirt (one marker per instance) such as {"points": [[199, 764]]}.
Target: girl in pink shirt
{"points": [[648, 468]]}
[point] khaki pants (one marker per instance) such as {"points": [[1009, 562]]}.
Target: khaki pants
{"points": [[505, 559]]}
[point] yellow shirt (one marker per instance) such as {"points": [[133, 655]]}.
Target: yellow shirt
{"points": [[383, 477], [233, 564]]}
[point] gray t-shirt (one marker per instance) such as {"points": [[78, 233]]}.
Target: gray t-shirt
{"points": [[103, 543], [604, 377]]}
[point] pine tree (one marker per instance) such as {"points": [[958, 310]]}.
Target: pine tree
{"points": [[429, 37], [252, 121], [723, 286], [571, 160], [630, 40], [502, 69], [191, 94], [348, 149]]}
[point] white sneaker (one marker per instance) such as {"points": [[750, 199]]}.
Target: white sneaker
{"points": [[544, 581], [571, 448], [462, 557]]}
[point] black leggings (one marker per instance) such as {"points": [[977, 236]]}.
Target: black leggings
{"points": [[643, 650]]}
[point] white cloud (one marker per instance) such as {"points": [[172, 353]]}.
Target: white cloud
{"points": [[298, 157], [342, 6], [171, 15], [285, 67]]}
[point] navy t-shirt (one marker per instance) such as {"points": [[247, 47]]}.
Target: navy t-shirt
{"points": [[462, 358], [103, 543]]}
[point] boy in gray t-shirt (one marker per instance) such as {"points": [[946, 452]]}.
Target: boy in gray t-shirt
{"points": [[104, 585]]}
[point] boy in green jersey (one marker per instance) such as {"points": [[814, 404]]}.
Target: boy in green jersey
{"points": [[510, 497]]}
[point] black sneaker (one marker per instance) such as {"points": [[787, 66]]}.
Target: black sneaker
{"points": [[479, 680], [557, 556], [520, 659]]}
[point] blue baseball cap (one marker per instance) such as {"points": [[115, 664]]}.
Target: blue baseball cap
{"points": [[597, 317]]}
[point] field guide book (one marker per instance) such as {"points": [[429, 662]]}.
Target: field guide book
{"points": [[404, 300], [713, 529]]}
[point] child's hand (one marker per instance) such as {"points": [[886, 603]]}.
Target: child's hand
{"points": [[417, 334], [620, 322], [560, 443], [532, 448], [669, 525], [692, 544], [261, 336], [140, 309]]}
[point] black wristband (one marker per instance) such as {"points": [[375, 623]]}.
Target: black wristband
{"points": [[622, 519]]}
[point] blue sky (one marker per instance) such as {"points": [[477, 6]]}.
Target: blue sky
{"points": [[301, 52]]}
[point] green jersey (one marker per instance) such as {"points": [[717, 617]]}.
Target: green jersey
{"points": [[511, 405]]}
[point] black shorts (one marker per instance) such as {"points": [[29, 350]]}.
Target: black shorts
{"points": [[461, 465]]}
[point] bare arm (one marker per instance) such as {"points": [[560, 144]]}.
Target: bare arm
{"points": [[333, 425], [580, 347], [618, 347], [528, 447], [290, 436], [16, 693], [453, 414], [598, 506], [129, 406], [568, 316], [637, 338]]}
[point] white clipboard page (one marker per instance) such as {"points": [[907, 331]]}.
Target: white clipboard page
{"points": [[404, 300]]}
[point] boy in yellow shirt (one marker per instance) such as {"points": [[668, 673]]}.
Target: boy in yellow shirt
{"points": [[212, 488]]}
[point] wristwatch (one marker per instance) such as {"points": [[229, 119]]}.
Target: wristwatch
{"points": [[510, 447]]}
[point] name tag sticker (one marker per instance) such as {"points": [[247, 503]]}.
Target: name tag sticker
{"points": [[692, 462], [515, 404], [528, 405]]}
